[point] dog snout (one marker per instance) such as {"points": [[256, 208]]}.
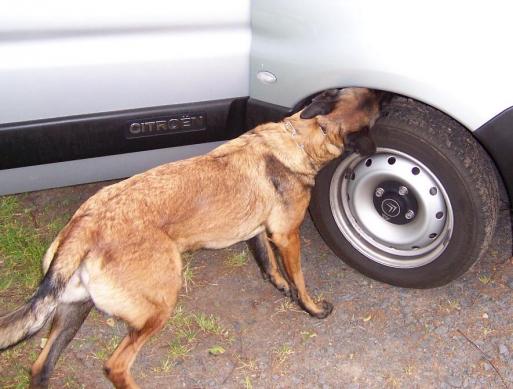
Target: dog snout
{"points": [[360, 142], [383, 97]]}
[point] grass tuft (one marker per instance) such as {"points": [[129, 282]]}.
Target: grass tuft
{"points": [[21, 247], [247, 383], [13, 374], [186, 327], [21, 379], [22, 244], [209, 324], [237, 259], [108, 348], [178, 350], [188, 273], [282, 353], [485, 279]]}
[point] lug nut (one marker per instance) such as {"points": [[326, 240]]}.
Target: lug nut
{"points": [[379, 192], [403, 190], [409, 215]]}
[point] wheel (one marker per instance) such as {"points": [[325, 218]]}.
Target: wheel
{"points": [[420, 211]]}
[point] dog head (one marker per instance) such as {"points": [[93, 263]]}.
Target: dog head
{"points": [[346, 116]]}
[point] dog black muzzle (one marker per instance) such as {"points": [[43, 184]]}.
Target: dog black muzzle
{"points": [[360, 142]]}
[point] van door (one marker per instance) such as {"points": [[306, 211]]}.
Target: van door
{"points": [[87, 81]]}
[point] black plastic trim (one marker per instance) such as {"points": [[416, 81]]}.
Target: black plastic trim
{"points": [[496, 136], [87, 136], [259, 112]]}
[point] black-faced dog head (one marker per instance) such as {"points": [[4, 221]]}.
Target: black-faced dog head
{"points": [[348, 113]]}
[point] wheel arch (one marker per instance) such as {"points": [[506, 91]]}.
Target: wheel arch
{"points": [[496, 135]]}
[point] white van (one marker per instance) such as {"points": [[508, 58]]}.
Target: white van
{"points": [[99, 90]]}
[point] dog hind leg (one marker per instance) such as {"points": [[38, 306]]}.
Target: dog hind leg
{"points": [[289, 246], [117, 368], [140, 287], [266, 260], [66, 322]]}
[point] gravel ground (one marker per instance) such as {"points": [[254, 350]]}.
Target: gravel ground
{"points": [[456, 336]]}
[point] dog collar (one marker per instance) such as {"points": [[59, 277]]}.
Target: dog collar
{"points": [[290, 129]]}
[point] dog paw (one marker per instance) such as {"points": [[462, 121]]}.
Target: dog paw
{"points": [[280, 283], [325, 310]]}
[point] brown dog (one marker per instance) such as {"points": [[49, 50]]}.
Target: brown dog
{"points": [[121, 250]]}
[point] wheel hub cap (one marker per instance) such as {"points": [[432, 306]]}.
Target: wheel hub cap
{"points": [[391, 208], [395, 202]]}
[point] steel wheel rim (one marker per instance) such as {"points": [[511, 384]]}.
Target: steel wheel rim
{"points": [[354, 202]]}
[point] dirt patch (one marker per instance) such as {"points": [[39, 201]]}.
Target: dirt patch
{"points": [[234, 330]]}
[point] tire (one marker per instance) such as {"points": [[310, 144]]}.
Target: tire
{"points": [[427, 234]]}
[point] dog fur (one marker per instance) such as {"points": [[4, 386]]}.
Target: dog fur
{"points": [[121, 251]]}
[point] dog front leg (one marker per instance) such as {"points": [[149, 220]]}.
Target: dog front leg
{"points": [[266, 260], [289, 246]]}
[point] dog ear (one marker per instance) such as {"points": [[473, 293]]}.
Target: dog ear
{"points": [[321, 104], [316, 108], [360, 142]]}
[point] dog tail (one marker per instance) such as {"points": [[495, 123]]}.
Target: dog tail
{"points": [[29, 318]]}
